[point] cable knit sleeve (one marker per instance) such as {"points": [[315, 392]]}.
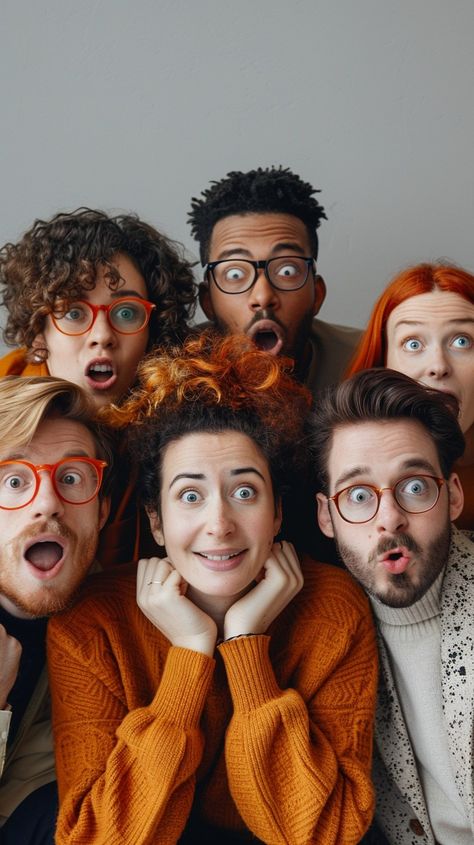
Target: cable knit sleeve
{"points": [[299, 762], [124, 777]]}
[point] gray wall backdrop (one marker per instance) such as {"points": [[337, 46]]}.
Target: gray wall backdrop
{"points": [[137, 106]]}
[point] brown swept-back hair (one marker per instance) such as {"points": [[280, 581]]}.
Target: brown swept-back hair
{"points": [[378, 395], [58, 259], [26, 401], [213, 384]]}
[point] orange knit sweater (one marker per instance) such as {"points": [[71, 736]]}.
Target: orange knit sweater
{"points": [[273, 736]]}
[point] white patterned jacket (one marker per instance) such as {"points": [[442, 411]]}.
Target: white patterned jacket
{"points": [[401, 809]]}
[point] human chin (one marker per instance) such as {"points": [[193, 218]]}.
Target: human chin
{"points": [[34, 596]]}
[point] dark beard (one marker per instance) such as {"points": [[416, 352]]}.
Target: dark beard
{"points": [[402, 590]]}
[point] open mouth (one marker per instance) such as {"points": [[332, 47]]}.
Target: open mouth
{"points": [[100, 372], [395, 560], [44, 555], [266, 340], [267, 335]]}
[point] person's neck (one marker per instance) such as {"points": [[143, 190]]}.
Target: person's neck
{"points": [[215, 606], [467, 457]]}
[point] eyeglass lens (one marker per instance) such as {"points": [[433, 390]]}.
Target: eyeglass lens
{"points": [[237, 275], [75, 482], [415, 495]]}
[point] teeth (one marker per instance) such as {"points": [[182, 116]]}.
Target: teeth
{"points": [[100, 368], [219, 557]]}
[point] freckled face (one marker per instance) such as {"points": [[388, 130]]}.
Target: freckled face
{"points": [[430, 337], [218, 516], [102, 361]]}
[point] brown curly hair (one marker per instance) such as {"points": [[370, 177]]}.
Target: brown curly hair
{"points": [[58, 259], [213, 383]]}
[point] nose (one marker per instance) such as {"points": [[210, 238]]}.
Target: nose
{"points": [[220, 522], [101, 332], [438, 365], [263, 294], [390, 516], [47, 503]]}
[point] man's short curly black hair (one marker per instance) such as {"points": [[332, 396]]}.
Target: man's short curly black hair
{"points": [[270, 189], [59, 258]]}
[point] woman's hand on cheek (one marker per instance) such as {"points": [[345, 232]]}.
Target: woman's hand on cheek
{"points": [[161, 596], [282, 580]]}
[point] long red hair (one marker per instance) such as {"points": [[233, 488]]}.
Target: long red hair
{"points": [[422, 278]]}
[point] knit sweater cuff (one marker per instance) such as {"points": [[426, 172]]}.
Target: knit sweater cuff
{"points": [[250, 673], [183, 688]]}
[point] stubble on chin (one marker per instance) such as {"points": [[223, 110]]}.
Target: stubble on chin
{"points": [[408, 587], [45, 598]]}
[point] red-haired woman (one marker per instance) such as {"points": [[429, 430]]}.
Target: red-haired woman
{"points": [[225, 692], [423, 326]]}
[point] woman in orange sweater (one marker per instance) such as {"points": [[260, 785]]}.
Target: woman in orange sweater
{"points": [[87, 295], [225, 692], [423, 325]]}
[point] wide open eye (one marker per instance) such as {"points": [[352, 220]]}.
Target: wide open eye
{"points": [[128, 315], [356, 496], [244, 493], [190, 497], [234, 274], [462, 341], [412, 344], [416, 486]]}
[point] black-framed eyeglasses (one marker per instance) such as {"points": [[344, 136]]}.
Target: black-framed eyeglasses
{"points": [[413, 493], [238, 275]]}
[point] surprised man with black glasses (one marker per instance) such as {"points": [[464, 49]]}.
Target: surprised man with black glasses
{"points": [[257, 233]]}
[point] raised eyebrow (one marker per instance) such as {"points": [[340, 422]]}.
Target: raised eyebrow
{"points": [[455, 321], [241, 252], [351, 474], [193, 476], [20, 456], [243, 470]]}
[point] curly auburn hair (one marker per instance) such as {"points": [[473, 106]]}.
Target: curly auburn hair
{"points": [[270, 189], [58, 259], [212, 384]]}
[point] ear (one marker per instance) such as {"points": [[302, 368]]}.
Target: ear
{"points": [[104, 510], [39, 343], [319, 293], [456, 496], [324, 517], [205, 301], [156, 529]]}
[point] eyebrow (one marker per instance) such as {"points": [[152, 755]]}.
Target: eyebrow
{"points": [[455, 321], [20, 456], [240, 251], [199, 476], [121, 293], [406, 466]]}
